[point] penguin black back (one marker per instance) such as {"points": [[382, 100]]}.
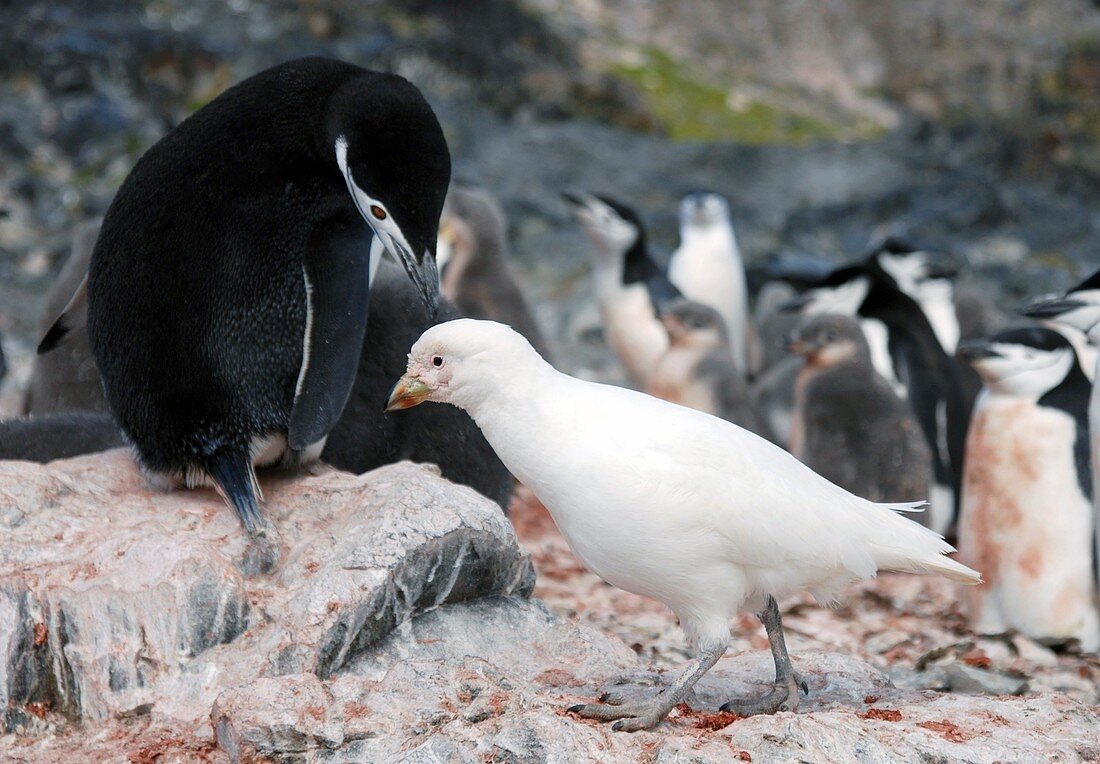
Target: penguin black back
{"points": [[227, 293], [639, 265]]}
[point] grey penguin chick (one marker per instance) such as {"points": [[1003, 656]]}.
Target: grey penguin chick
{"points": [[698, 369], [58, 436], [66, 379], [228, 290], [1027, 511], [849, 424], [474, 269]]}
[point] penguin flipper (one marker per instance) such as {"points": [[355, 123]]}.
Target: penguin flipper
{"points": [[74, 316], [336, 271]]}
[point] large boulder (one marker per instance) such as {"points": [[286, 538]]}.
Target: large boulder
{"points": [[116, 598]]}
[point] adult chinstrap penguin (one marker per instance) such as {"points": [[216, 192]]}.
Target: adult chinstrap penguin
{"points": [[1027, 516], [1079, 308], [630, 287], [227, 293], [698, 370], [707, 268], [850, 426]]}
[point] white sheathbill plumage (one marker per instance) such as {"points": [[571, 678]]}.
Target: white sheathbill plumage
{"points": [[666, 501]]}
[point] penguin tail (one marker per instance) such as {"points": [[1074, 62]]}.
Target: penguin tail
{"points": [[234, 478]]}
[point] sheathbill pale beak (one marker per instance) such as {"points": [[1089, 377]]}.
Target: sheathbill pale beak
{"points": [[408, 392]]}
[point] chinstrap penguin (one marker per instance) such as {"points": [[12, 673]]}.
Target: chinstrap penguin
{"points": [[227, 292], [698, 370], [707, 268], [630, 286], [474, 268], [850, 426], [1027, 517], [1080, 308], [668, 502]]}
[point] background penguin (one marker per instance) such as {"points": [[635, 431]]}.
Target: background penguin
{"points": [[474, 269], [630, 286], [773, 324], [1027, 513], [901, 339], [363, 438], [850, 426], [1080, 309], [66, 379], [227, 293], [707, 268], [698, 371]]}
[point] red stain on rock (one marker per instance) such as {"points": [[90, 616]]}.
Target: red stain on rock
{"points": [[38, 709], [40, 634], [701, 720], [353, 709], [947, 730], [976, 657], [881, 714], [869, 699]]}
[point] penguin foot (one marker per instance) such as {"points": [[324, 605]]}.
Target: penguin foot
{"points": [[629, 716]]}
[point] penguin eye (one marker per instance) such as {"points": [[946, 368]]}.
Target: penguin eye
{"points": [[437, 360], [378, 212]]}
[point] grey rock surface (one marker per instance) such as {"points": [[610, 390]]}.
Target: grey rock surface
{"points": [[117, 599]]}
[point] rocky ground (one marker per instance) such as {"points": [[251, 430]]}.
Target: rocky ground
{"points": [[396, 626]]}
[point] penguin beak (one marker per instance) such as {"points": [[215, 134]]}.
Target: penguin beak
{"points": [[795, 304], [974, 351], [1051, 307], [408, 392], [423, 274]]}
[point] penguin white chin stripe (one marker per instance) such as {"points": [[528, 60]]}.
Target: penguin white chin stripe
{"points": [[1024, 371]]}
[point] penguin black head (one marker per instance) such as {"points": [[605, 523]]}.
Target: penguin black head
{"points": [[613, 227], [1030, 361], [693, 324], [704, 208], [842, 291], [393, 156], [1079, 307], [910, 268], [828, 339]]}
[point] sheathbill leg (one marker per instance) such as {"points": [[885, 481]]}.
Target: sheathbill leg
{"points": [[784, 693]]}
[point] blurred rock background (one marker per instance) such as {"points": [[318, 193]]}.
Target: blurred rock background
{"points": [[972, 127]]}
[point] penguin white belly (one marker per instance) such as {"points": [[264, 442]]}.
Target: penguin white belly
{"points": [[1026, 523], [710, 272], [878, 337], [938, 303], [633, 332]]}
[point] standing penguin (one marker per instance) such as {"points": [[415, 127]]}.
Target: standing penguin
{"points": [[474, 269], [698, 369], [707, 268], [849, 425], [906, 351], [1027, 512], [1080, 308], [630, 287], [227, 294]]}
